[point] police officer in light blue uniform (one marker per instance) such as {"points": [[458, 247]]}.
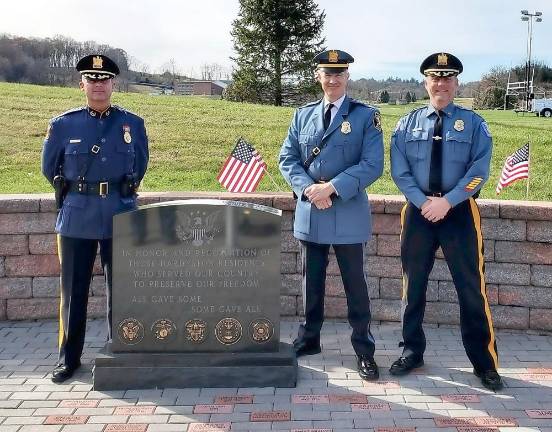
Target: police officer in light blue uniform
{"points": [[440, 158], [333, 151], [95, 156]]}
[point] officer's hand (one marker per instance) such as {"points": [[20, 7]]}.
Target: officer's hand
{"points": [[435, 209], [319, 191], [323, 203]]}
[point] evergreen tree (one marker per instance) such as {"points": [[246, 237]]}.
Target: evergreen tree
{"points": [[275, 42], [408, 97], [384, 97]]}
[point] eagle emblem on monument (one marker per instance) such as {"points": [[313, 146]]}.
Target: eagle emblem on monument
{"points": [[197, 227]]}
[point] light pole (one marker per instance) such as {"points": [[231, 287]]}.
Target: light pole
{"points": [[526, 16]]}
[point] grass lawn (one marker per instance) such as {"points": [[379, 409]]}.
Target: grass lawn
{"points": [[190, 137]]}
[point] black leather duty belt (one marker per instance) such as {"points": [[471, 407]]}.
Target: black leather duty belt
{"points": [[94, 188]]}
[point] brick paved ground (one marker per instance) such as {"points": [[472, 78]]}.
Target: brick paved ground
{"points": [[444, 396]]}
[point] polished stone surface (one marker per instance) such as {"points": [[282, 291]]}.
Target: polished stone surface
{"points": [[197, 276]]}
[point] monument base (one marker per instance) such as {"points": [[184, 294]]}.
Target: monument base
{"points": [[127, 371]]}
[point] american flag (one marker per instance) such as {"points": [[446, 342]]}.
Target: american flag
{"points": [[515, 168], [243, 170]]}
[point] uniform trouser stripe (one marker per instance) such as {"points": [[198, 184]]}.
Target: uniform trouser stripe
{"points": [[61, 327], [460, 238], [477, 225]]}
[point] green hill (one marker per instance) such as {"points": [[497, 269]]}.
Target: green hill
{"points": [[190, 137]]}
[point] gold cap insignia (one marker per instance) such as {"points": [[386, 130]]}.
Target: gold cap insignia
{"points": [[442, 60], [97, 62], [333, 56]]}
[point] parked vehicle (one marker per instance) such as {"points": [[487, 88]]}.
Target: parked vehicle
{"points": [[542, 107]]}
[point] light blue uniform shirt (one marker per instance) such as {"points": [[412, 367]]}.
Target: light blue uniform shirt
{"points": [[467, 149], [351, 159]]}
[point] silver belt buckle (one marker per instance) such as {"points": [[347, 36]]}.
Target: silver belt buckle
{"points": [[104, 189]]}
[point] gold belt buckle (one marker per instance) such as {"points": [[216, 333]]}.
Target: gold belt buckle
{"points": [[104, 189]]}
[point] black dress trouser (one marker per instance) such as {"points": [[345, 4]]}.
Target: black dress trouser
{"points": [[460, 238], [350, 258], [76, 256]]}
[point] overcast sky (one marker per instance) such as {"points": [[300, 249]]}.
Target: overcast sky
{"points": [[387, 37]]}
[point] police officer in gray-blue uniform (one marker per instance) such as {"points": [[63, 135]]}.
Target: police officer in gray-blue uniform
{"points": [[440, 157], [333, 151], [95, 156]]}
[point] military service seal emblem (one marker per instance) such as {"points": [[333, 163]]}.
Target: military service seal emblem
{"points": [[261, 330], [228, 331], [163, 329], [196, 330], [130, 331]]}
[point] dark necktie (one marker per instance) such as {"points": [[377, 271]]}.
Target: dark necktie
{"points": [[328, 116], [436, 167]]}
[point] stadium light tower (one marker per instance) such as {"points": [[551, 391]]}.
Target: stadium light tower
{"points": [[526, 16]]}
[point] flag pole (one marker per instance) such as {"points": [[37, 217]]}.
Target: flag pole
{"points": [[528, 170], [271, 178]]}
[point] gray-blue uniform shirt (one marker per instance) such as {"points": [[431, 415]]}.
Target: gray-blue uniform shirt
{"points": [[467, 149]]}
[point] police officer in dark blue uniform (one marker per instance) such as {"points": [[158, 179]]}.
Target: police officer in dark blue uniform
{"points": [[440, 157], [333, 151], [95, 156]]}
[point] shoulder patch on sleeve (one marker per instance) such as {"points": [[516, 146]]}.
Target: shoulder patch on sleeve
{"points": [[377, 120], [485, 128]]}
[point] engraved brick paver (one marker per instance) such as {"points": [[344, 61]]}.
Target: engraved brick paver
{"points": [[477, 429], [234, 399], [270, 416], [126, 428], [461, 398], [209, 427], [213, 409], [540, 413], [60, 419], [443, 396], [79, 403], [134, 410], [310, 399]]}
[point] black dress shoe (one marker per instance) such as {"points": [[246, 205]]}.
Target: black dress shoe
{"points": [[367, 368], [490, 379], [63, 372], [303, 347], [404, 365]]}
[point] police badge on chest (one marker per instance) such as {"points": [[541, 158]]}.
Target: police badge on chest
{"points": [[126, 134]]}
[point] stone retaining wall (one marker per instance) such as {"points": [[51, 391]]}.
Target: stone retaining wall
{"points": [[518, 254]]}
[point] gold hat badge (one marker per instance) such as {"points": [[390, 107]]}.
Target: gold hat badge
{"points": [[442, 59], [97, 62], [333, 56]]}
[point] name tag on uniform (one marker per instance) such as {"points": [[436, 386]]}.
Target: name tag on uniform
{"points": [[418, 129], [75, 141]]}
